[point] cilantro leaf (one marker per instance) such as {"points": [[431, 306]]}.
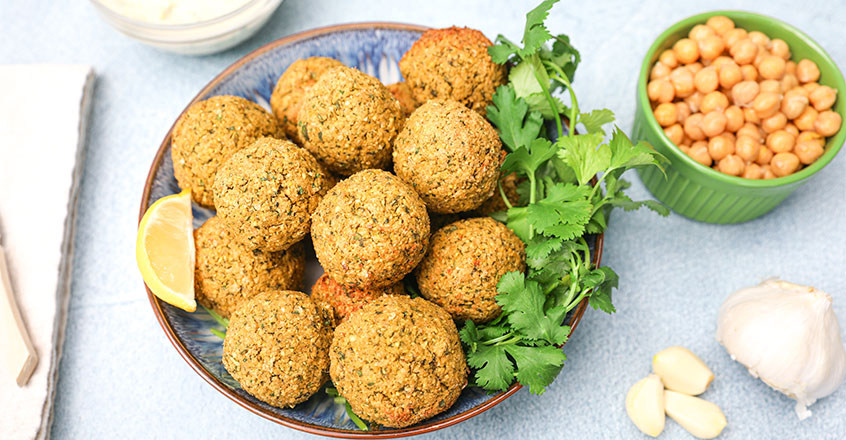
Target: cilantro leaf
{"points": [[563, 213], [600, 298], [523, 301], [537, 367], [565, 56], [625, 155], [494, 371], [539, 249], [518, 127], [502, 50], [585, 154], [526, 78], [594, 120], [528, 160], [536, 33]]}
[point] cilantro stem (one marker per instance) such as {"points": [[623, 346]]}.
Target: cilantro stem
{"points": [[574, 103], [502, 194], [218, 333], [545, 87], [219, 319], [533, 189]]}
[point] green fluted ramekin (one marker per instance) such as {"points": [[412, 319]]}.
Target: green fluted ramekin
{"points": [[699, 192]]}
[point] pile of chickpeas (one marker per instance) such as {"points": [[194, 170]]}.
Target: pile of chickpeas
{"points": [[733, 100]]}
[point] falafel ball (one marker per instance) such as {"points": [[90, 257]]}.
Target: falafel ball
{"points": [[228, 274], [208, 133], [398, 361], [349, 120], [265, 194], [465, 262], [287, 97], [453, 63], [277, 347], [403, 93], [345, 300], [450, 155], [494, 203], [370, 230]]}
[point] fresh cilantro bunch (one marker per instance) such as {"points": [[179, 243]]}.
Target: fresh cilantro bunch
{"points": [[571, 183]]}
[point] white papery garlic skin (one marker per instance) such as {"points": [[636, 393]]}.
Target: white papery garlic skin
{"points": [[788, 336]]}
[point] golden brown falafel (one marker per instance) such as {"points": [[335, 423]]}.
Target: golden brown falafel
{"points": [[465, 262], [403, 93], [265, 193], [398, 361], [349, 120], [450, 155], [345, 300], [208, 133], [277, 347], [228, 274], [453, 63], [287, 97], [370, 230]]}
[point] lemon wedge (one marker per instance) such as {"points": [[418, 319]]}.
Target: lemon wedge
{"points": [[165, 250]]}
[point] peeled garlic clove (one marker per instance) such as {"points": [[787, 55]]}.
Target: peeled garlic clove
{"points": [[681, 370], [699, 417], [645, 405]]}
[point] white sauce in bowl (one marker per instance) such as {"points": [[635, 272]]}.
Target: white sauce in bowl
{"points": [[173, 12]]}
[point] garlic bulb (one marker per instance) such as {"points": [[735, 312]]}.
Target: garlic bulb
{"points": [[788, 336]]}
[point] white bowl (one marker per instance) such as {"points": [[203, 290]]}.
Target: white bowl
{"points": [[200, 38]]}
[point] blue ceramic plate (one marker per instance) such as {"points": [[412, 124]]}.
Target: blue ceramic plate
{"points": [[374, 48]]}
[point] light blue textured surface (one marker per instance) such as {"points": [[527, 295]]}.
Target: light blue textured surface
{"points": [[120, 378]]}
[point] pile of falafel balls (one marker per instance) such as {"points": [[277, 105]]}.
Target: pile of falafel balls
{"points": [[365, 170]]}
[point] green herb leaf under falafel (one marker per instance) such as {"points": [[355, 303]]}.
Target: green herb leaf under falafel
{"points": [[572, 184]]}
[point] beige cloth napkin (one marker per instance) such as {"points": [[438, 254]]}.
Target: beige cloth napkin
{"points": [[43, 113]]}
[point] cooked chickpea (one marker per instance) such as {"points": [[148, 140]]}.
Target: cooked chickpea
{"points": [[784, 164], [721, 61], [808, 152], [823, 98], [675, 133], [734, 35], [744, 51], [807, 71], [699, 153], [810, 136], [730, 74], [744, 92], [765, 155], [684, 148], [713, 101], [793, 104], [714, 123], [753, 171], [766, 104], [659, 70], [806, 120], [734, 118], [660, 90], [706, 80], [666, 114], [749, 129], [759, 57], [759, 38], [747, 148], [682, 81], [749, 115], [686, 51], [788, 82], [700, 31], [731, 165], [694, 101], [828, 123], [711, 46], [770, 85], [668, 58], [774, 123], [780, 141], [695, 67], [750, 73], [767, 172], [790, 67], [682, 110], [720, 147], [720, 24], [810, 87], [790, 128], [693, 127], [779, 48]]}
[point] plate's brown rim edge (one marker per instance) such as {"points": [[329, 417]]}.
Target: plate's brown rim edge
{"points": [[208, 377]]}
